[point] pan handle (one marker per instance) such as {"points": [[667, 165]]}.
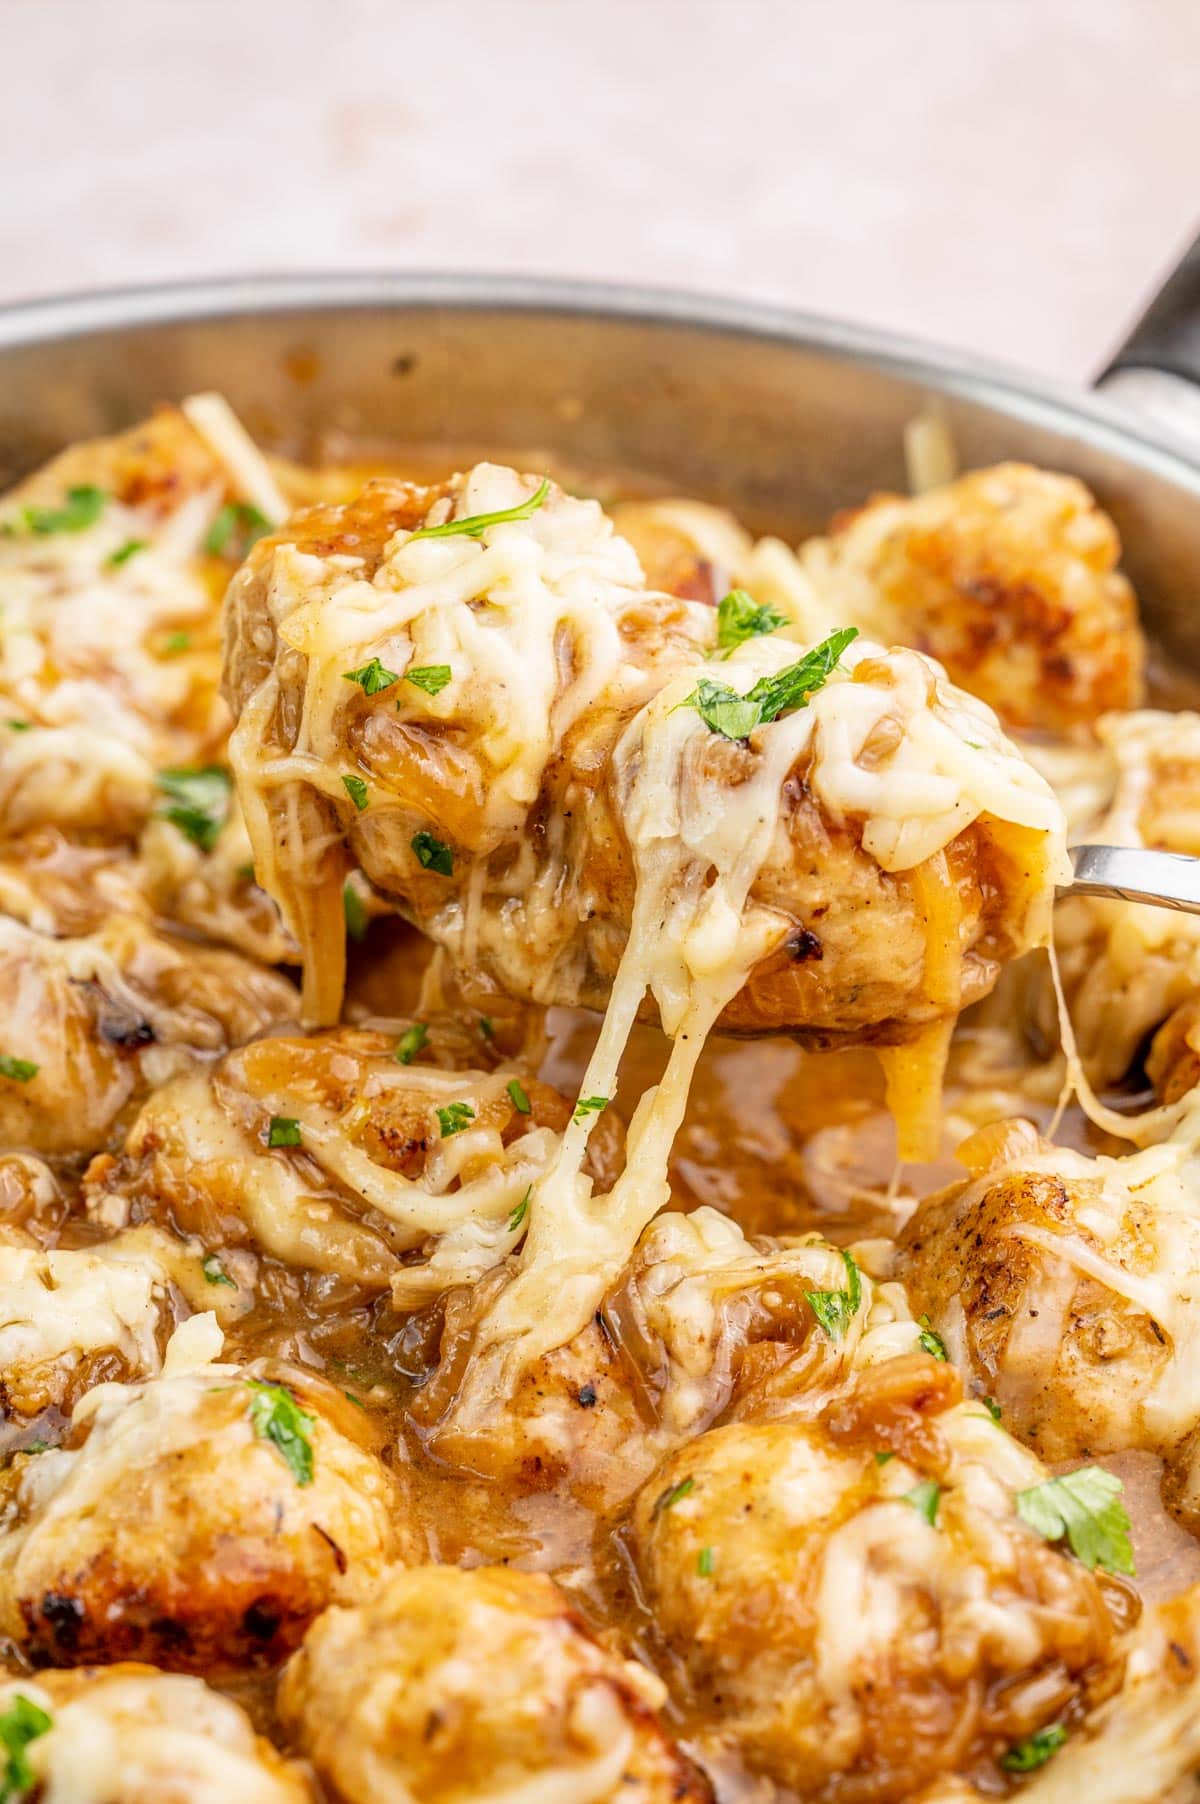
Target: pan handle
{"points": [[1156, 370]]}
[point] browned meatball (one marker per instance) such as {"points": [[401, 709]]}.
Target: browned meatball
{"points": [[449, 1685]]}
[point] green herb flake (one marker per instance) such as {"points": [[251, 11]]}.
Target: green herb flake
{"points": [[520, 1212], [432, 678], [931, 1342], [351, 1398], [925, 1498], [283, 1130], [237, 527], [21, 1723], [81, 509], [275, 1416], [20, 1070], [517, 1096], [740, 617], [354, 910], [124, 552], [487, 1028], [372, 677], [675, 1494], [410, 1043], [1026, 1756], [20, 726], [215, 1272], [881, 1459], [993, 1408], [475, 525], [705, 1561], [589, 1105], [836, 1309], [432, 854], [174, 643], [197, 802], [454, 1118], [1084, 1507], [356, 789], [735, 716]]}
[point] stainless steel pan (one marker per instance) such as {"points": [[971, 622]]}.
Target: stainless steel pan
{"points": [[783, 416]]}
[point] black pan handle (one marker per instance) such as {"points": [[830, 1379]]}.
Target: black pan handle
{"points": [[1167, 337]]}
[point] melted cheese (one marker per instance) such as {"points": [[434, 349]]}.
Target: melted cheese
{"points": [[61, 1305]]}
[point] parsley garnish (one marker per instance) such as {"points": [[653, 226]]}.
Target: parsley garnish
{"points": [[283, 1130], [517, 1096], [372, 677], [353, 910], [675, 1495], [124, 552], [432, 855], [589, 1105], [475, 525], [925, 1498], [81, 509], [20, 1724], [993, 1408], [487, 1030], [198, 802], [215, 1272], [930, 1341], [1026, 1756], [1085, 1507], [705, 1562], [735, 716], [740, 617], [520, 1212], [356, 789], [20, 1070], [236, 527], [835, 1309], [432, 678], [174, 643], [410, 1043], [882, 1458], [275, 1416], [20, 726], [454, 1118]]}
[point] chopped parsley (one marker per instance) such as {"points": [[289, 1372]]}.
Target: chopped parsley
{"points": [[589, 1105], [517, 1096], [236, 527], [354, 910], [124, 552], [1084, 1507], [81, 509], [925, 1498], [674, 1495], [372, 677], [1026, 1756], [882, 1458], [475, 525], [735, 716], [454, 1118], [487, 1030], [215, 1272], [993, 1408], [283, 1130], [705, 1561], [20, 1070], [432, 854], [356, 789], [740, 617], [432, 678], [410, 1043], [197, 802], [930, 1341], [174, 643], [836, 1309], [520, 1212], [20, 726], [20, 1724], [275, 1416]]}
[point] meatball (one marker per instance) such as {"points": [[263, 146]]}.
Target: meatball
{"points": [[199, 1519], [130, 1735], [95, 1020], [853, 1617], [347, 1152], [554, 819], [1008, 576], [1066, 1285], [450, 1685]]}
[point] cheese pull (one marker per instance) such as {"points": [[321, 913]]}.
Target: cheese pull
{"points": [[468, 692]]}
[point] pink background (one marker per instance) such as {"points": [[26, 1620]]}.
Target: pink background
{"points": [[1007, 175]]}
